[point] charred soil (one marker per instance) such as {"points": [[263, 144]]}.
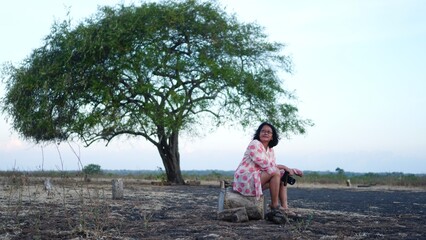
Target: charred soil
{"points": [[85, 210]]}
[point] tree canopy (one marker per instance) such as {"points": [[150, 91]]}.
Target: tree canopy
{"points": [[92, 169], [152, 71]]}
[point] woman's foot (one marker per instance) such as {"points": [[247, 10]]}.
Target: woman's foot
{"points": [[290, 213], [277, 208], [286, 211]]}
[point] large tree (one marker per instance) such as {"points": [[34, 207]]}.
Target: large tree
{"points": [[154, 71]]}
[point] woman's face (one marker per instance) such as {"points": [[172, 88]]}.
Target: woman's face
{"points": [[265, 135]]}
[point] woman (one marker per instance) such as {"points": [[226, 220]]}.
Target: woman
{"points": [[258, 170]]}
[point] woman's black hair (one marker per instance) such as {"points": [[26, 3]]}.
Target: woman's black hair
{"points": [[275, 137]]}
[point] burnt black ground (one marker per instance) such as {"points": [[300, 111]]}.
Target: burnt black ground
{"points": [[336, 214], [384, 202], [190, 212]]}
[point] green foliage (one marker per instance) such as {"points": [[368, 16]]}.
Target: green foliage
{"points": [[322, 178], [161, 175], [130, 70], [385, 179], [92, 169], [309, 177], [340, 171], [150, 71], [394, 178], [216, 175]]}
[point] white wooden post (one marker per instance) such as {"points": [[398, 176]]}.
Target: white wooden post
{"points": [[117, 189]]}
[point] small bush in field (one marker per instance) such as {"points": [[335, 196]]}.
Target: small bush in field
{"points": [[92, 169]]}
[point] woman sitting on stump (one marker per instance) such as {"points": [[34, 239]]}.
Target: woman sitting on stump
{"points": [[258, 170]]}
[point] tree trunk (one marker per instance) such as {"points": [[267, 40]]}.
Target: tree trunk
{"points": [[169, 152]]}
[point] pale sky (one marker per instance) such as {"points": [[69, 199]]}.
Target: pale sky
{"points": [[359, 75]]}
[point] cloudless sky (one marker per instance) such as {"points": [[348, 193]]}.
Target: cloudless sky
{"points": [[359, 74]]}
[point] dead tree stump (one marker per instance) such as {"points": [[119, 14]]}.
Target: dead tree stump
{"points": [[234, 215], [230, 201], [117, 189]]}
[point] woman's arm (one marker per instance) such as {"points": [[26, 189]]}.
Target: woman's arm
{"points": [[283, 167], [256, 152], [291, 171]]}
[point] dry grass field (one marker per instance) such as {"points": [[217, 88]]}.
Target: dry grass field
{"points": [[78, 209]]}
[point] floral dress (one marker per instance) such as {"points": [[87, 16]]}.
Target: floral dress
{"points": [[247, 176]]}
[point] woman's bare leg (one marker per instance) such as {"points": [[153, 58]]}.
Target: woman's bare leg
{"points": [[274, 186], [283, 196]]}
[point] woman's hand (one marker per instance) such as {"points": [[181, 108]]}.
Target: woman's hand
{"points": [[297, 172], [282, 167], [291, 171]]}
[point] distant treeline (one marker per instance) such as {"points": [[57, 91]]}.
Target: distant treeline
{"points": [[231, 173], [184, 172], [310, 177]]}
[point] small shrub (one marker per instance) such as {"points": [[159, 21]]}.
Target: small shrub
{"points": [[92, 169]]}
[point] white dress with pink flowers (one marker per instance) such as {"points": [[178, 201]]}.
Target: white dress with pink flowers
{"points": [[247, 176]]}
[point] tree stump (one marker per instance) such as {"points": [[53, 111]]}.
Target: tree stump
{"points": [[228, 199], [234, 215], [117, 189]]}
